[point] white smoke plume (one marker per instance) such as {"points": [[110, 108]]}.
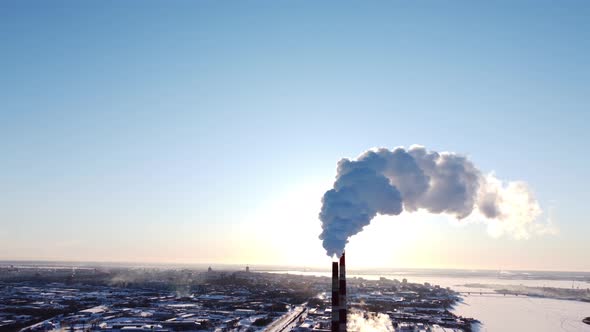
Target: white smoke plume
{"points": [[387, 182], [510, 208], [359, 321]]}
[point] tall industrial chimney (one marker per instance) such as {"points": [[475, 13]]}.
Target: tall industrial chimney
{"points": [[342, 289], [339, 310], [335, 298]]}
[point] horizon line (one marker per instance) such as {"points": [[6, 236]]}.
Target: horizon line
{"points": [[283, 266]]}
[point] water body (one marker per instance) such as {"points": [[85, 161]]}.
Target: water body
{"points": [[499, 313]]}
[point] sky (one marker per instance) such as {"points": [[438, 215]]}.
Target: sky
{"points": [[208, 131]]}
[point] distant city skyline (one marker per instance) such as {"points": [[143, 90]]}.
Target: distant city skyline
{"points": [[207, 132]]}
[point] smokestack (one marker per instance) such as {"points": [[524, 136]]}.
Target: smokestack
{"points": [[335, 298], [342, 289]]}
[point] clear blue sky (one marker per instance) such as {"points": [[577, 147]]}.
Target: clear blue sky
{"points": [[160, 131]]}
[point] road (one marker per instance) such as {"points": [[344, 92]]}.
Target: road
{"points": [[288, 320]]}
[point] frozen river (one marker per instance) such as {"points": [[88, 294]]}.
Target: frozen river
{"points": [[499, 313]]}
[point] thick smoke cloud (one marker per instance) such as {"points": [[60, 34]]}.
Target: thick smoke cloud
{"points": [[388, 181]]}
